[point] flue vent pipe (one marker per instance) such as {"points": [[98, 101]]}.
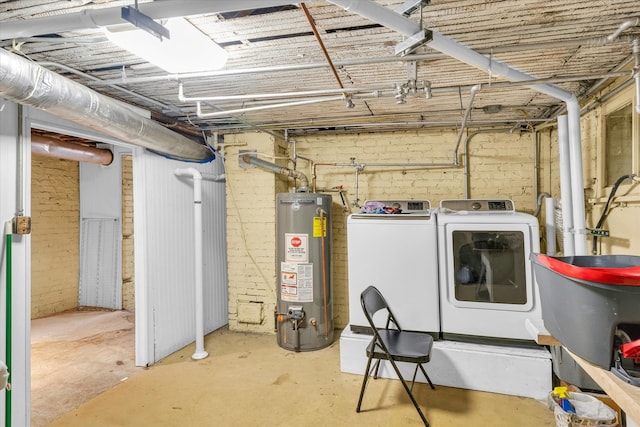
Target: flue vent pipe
{"points": [[59, 149], [200, 352], [390, 19], [27, 83], [304, 181]]}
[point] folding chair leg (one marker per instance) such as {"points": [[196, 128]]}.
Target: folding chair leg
{"points": [[413, 380], [406, 388], [375, 374], [364, 384], [427, 377]]}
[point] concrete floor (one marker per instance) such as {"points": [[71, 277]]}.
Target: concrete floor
{"points": [[75, 356], [248, 380]]}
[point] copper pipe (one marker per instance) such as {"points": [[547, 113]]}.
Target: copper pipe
{"points": [[324, 49], [57, 148]]}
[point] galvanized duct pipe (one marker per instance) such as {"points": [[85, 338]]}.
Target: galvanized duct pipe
{"points": [[304, 181], [388, 18], [27, 83], [51, 147]]}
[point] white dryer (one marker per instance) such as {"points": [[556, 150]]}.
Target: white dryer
{"points": [[486, 284], [397, 253]]}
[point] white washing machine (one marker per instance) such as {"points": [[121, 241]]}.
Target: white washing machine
{"points": [[486, 284], [397, 253]]}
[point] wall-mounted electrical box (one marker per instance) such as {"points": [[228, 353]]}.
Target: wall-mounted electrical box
{"points": [[21, 225]]}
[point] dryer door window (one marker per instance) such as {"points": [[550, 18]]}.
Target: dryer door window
{"points": [[489, 266]]}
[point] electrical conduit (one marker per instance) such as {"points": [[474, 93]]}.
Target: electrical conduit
{"points": [[200, 352]]}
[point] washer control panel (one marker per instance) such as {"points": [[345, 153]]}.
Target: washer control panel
{"points": [[402, 206], [475, 205]]}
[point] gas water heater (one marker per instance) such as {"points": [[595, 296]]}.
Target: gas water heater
{"points": [[304, 309]]}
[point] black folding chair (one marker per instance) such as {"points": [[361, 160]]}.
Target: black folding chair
{"points": [[394, 345]]}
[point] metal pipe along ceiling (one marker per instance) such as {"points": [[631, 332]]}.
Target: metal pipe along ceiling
{"points": [[27, 83], [390, 19], [51, 147]]}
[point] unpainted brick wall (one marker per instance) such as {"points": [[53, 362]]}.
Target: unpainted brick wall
{"points": [[128, 277], [55, 210]]}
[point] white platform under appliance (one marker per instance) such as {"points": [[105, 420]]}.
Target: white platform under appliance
{"points": [[515, 371], [486, 284], [397, 253]]}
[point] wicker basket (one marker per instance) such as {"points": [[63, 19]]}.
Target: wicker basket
{"points": [[568, 419]]}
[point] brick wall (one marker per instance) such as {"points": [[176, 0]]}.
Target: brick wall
{"points": [[501, 165], [55, 210], [251, 233]]}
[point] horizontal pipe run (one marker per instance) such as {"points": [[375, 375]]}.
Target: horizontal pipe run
{"points": [[225, 113], [343, 63], [386, 90], [51, 147], [184, 98]]}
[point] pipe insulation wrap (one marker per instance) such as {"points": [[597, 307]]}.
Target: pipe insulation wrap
{"points": [[28, 83]]}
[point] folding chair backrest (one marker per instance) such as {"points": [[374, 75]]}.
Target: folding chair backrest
{"points": [[372, 301]]}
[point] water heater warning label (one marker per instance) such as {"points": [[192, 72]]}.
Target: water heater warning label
{"points": [[296, 282], [319, 226], [296, 247]]}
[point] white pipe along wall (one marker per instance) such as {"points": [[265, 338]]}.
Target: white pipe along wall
{"points": [[197, 177], [390, 19], [200, 352]]}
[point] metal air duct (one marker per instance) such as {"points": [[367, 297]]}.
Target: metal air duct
{"points": [[27, 83]]}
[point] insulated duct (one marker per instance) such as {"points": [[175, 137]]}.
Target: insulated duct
{"points": [[52, 147], [27, 83], [392, 20]]}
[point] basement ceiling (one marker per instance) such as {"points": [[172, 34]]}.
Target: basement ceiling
{"points": [[276, 58]]}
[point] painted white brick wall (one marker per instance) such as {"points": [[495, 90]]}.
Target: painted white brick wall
{"points": [[501, 165]]}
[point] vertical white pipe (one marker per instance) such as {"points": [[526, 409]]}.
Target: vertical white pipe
{"points": [[577, 184], [200, 352], [565, 187], [550, 225]]}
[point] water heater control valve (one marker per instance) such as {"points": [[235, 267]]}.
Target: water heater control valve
{"points": [[295, 312]]}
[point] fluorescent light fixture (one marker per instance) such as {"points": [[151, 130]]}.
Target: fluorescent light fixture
{"points": [[187, 51]]}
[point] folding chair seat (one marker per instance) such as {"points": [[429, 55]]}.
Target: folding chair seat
{"points": [[394, 345]]}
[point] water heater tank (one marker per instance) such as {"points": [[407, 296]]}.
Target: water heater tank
{"points": [[304, 309]]}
